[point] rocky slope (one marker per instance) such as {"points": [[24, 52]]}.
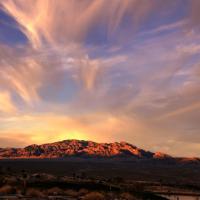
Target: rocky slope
{"points": [[80, 148]]}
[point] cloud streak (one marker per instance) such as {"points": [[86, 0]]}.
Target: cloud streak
{"points": [[6, 103], [40, 21]]}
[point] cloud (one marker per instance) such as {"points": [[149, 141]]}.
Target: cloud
{"points": [[49, 127], [41, 23], [14, 140], [26, 73], [19, 74], [88, 71], [119, 97], [6, 104], [39, 20], [194, 15], [183, 110], [174, 26]]}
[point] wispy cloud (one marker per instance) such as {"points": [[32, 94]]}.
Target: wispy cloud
{"points": [[6, 104], [40, 21]]}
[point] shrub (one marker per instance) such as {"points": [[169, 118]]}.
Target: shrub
{"points": [[34, 193], [127, 196], [7, 189], [71, 193], [10, 180], [94, 196], [110, 195], [55, 191], [82, 192]]}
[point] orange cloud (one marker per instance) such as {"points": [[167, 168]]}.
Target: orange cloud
{"points": [[6, 104], [51, 127]]}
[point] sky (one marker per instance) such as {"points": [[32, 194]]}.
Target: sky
{"points": [[117, 70]]}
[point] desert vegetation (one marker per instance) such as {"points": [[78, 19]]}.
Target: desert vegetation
{"points": [[82, 184], [77, 186]]}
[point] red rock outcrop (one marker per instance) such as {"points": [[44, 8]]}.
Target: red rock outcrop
{"points": [[76, 148], [86, 149]]}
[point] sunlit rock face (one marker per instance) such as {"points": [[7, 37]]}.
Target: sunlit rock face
{"points": [[160, 155], [87, 149], [76, 148]]}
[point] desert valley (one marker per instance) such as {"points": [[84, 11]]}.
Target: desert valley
{"points": [[77, 169]]}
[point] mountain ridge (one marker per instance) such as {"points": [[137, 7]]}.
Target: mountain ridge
{"points": [[80, 148], [86, 149]]}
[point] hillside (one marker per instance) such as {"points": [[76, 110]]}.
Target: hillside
{"points": [[80, 148]]}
